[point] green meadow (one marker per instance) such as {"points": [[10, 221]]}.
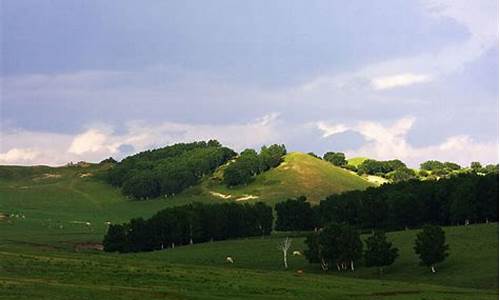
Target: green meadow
{"points": [[49, 209]]}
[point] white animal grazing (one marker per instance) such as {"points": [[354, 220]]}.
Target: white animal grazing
{"points": [[229, 259], [296, 253]]}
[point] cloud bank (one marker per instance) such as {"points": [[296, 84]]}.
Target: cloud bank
{"points": [[391, 142], [95, 144]]}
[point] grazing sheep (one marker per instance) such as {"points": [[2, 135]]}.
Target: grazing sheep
{"points": [[107, 223], [300, 271], [229, 259], [296, 253]]}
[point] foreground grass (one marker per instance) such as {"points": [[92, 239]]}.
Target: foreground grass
{"points": [[53, 270], [57, 274], [473, 260]]}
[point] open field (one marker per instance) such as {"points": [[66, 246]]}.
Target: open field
{"points": [[49, 208], [53, 270]]}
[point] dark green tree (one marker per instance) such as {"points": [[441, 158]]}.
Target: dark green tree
{"points": [[452, 166], [476, 166], [379, 252], [334, 245], [401, 174], [116, 239], [431, 165], [294, 215], [336, 158], [430, 246]]}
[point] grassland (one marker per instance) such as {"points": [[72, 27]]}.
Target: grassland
{"points": [[49, 208], [57, 201], [53, 270]]}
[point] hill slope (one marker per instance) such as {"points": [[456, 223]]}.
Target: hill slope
{"points": [[356, 161], [64, 199], [299, 174]]}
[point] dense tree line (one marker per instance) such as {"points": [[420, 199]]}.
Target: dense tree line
{"points": [[194, 223], [462, 199], [465, 198], [167, 171], [295, 215], [250, 163]]}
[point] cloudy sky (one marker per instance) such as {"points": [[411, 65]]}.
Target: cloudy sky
{"points": [[85, 80]]}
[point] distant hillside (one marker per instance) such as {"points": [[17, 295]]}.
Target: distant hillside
{"points": [[356, 161], [299, 174]]}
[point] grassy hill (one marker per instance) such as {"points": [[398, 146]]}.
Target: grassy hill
{"points": [[299, 174], [55, 201], [356, 161]]}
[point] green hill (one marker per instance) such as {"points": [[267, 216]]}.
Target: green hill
{"points": [[71, 196], [356, 161], [299, 174]]}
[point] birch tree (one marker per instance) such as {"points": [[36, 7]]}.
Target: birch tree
{"points": [[284, 246]]}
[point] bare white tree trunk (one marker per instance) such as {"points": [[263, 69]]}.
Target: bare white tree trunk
{"points": [[284, 246], [352, 266], [433, 268], [324, 265]]}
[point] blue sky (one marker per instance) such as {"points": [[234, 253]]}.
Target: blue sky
{"points": [[84, 80]]}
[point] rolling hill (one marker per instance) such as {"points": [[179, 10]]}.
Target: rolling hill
{"points": [[299, 174], [63, 199]]}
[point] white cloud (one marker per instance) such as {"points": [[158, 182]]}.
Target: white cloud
{"points": [[95, 144], [400, 80], [390, 142], [329, 129], [18, 156], [92, 140]]}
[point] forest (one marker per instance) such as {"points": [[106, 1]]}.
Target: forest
{"points": [[167, 171], [189, 224], [461, 199]]}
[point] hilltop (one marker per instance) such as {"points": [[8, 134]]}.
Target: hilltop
{"points": [[299, 174]]}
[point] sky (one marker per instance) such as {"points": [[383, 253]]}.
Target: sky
{"points": [[89, 79]]}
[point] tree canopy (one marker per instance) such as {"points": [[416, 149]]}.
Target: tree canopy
{"points": [[194, 223], [430, 246], [250, 163], [167, 171], [336, 158], [379, 252], [334, 245]]}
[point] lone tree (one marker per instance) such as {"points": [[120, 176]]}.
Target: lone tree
{"points": [[379, 252], [284, 246], [430, 246]]}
